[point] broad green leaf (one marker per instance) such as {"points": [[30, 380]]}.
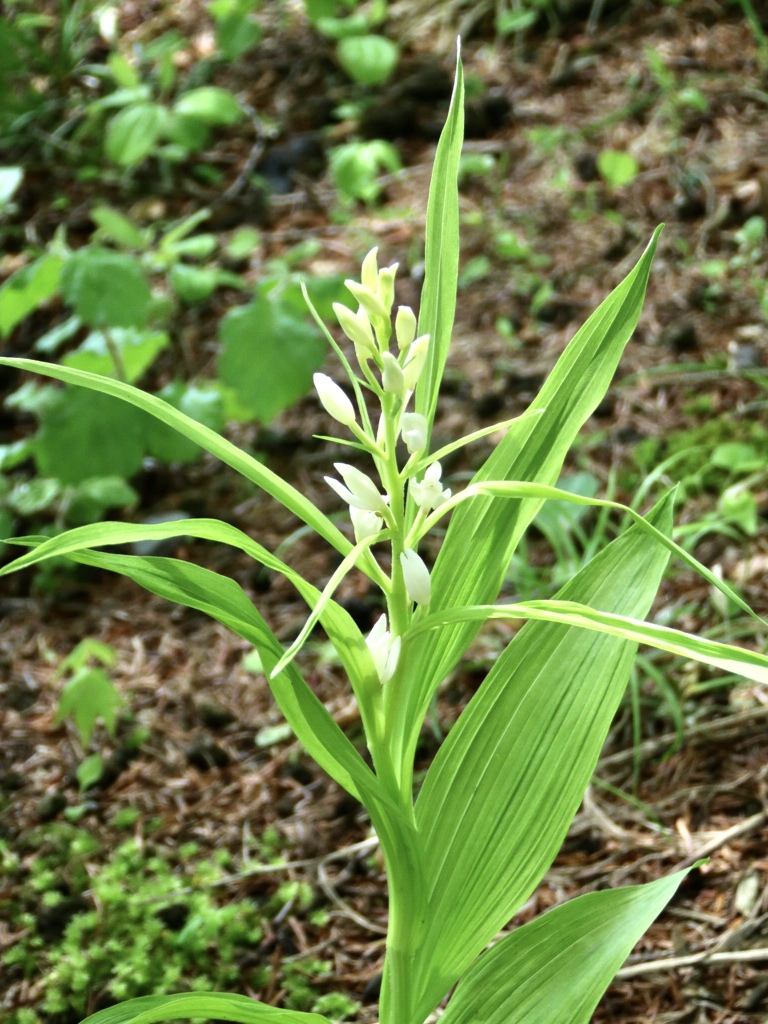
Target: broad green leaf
{"points": [[210, 104], [441, 252], [224, 600], [133, 133], [27, 289], [201, 1005], [484, 532], [106, 288], [203, 402], [89, 771], [89, 696], [30, 497], [90, 499], [725, 657], [84, 435], [208, 439], [557, 967], [194, 284], [136, 351], [499, 797], [368, 59], [268, 356]]}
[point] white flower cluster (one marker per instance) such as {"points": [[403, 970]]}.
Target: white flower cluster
{"points": [[393, 377]]}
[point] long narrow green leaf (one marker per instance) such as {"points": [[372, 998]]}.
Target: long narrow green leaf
{"points": [[208, 439], [337, 622], [483, 532], [441, 252], [224, 600], [497, 800], [726, 657], [557, 967], [214, 1005]]}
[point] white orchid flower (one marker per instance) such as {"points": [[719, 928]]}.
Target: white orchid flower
{"points": [[365, 523], [392, 379], [357, 328], [429, 493], [414, 364], [360, 491], [414, 429], [384, 648]]}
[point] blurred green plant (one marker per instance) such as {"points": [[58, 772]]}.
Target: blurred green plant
{"points": [[369, 58], [356, 167], [122, 303]]}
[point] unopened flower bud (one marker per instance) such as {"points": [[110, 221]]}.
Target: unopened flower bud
{"points": [[414, 430], [335, 402], [357, 328], [417, 356], [368, 299], [387, 286], [369, 272], [418, 585], [429, 493], [405, 326], [360, 491], [392, 378], [384, 648], [365, 523]]}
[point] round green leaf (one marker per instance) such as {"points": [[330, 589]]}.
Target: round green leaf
{"points": [[617, 168], [369, 60], [210, 104]]}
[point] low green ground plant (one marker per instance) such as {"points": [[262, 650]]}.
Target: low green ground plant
{"points": [[494, 806], [124, 297], [145, 920]]}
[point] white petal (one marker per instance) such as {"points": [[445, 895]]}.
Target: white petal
{"points": [[405, 326], [418, 585], [365, 523], [363, 488], [335, 402], [414, 430]]}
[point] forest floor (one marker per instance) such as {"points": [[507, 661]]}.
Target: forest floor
{"points": [[684, 773]]}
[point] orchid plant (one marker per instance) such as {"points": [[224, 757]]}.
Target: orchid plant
{"points": [[496, 802]]}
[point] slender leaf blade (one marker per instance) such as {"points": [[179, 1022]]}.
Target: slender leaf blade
{"points": [[208, 439], [497, 801], [201, 1005], [726, 657], [338, 623], [558, 966], [483, 533], [224, 600], [441, 252]]}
